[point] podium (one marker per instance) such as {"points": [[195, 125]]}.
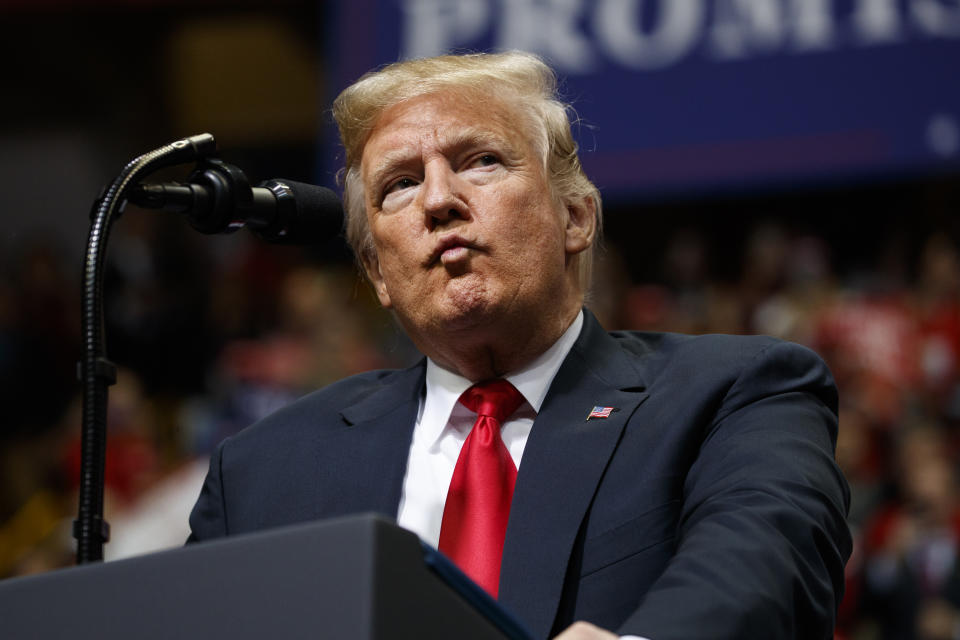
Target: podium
{"points": [[360, 577]]}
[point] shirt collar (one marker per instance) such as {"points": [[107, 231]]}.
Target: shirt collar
{"points": [[444, 388]]}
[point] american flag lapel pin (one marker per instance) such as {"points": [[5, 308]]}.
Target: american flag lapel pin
{"points": [[600, 412]]}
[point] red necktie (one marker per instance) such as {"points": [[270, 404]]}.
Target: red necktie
{"points": [[478, 501]]}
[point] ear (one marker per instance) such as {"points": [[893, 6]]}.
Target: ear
{"points": [[581, 225], [371, 265]]}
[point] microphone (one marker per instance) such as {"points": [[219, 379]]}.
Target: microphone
{"points": [[218, 199]]}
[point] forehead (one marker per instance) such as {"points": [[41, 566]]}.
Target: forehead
{"points": [[442, 120]]}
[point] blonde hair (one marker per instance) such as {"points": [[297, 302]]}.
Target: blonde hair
{"points": [[518, 79]]}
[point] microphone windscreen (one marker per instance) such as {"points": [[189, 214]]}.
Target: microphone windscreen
{"points": [[308, 214]]}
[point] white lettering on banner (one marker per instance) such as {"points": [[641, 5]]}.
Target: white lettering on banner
{"points": [[549, 28], [876, 21], [648, 35], [935, 18], [743, 26], [812, 25], [943, 135], [674, 34], [432, 27]]}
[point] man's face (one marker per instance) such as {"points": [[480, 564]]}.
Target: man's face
{"points": [[464, 226]]}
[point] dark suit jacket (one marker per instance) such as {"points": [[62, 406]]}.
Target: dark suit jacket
{"points": [[708, 505]]}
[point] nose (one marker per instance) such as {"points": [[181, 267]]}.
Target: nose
{"points": [[443, 195]]}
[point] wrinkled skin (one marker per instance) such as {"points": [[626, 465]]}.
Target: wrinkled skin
{"points": [[473, 252]]}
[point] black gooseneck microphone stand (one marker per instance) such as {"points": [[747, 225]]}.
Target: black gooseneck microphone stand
{"points": [[96, 372], [217, 198]]}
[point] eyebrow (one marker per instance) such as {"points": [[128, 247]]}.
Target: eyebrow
{"points": [[387, 163]]}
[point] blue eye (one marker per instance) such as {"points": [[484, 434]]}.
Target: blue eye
{"points": [[487, 160]]}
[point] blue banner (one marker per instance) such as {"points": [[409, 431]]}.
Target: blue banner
{"points": [[681, 95]]}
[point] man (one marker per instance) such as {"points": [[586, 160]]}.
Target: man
{"points": [[666, 486]]}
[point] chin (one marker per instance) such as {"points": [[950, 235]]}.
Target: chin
{"points": [[462, 304], [466, 299], [463, 316]]}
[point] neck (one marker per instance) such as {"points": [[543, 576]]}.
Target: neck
{"points": [[497, 350]]}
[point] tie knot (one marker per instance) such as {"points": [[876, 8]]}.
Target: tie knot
{"points": [[494, 398]]}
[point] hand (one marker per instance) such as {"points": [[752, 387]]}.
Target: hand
{"points": [[586, 631]]}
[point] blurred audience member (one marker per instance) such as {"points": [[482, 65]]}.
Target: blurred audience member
{"points": [[911, 574]]}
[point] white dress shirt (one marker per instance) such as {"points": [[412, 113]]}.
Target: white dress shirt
{"points": [[443, 425]]}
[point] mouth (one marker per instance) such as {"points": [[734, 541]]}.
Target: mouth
{"points": [[450, 249]]}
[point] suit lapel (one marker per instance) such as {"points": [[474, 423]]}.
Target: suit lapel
{"points": [[562, 464], [377, 442]]}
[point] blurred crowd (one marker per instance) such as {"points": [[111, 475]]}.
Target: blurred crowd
{"points": [[211, 334]]}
